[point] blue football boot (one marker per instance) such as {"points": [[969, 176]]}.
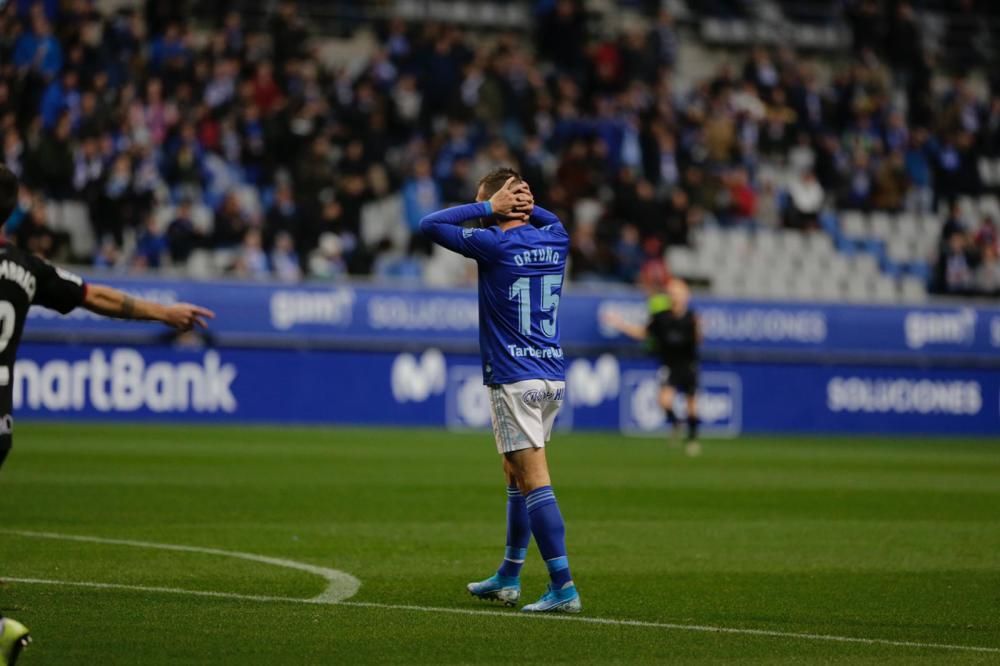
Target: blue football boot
{"points": [[565, 600], [497, 588]]}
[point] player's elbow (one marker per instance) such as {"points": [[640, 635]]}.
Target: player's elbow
{"points": [[426, 224]]}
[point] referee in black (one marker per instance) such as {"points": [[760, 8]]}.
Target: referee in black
{"points": [[675, 335]]}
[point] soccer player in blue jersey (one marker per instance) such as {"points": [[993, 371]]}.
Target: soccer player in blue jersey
{"points": [[521, 256]]}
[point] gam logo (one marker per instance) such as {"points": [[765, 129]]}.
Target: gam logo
{"points": [[923, 328], [417, 379], [333, 307], [720, 404]]}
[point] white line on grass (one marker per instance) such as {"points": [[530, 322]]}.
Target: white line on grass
{"points": [[342, 586], [511, 614]]}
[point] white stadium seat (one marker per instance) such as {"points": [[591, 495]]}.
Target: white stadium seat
{"points": [[853, 224], [880, 225], [912, 290]]}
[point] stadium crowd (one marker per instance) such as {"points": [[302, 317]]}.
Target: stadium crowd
{"points": [[244, 143]]}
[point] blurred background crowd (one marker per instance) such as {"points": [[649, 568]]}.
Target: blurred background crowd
{"points": [[204, 139]]}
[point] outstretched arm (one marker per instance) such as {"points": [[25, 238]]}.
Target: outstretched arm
{"points": [[111, 302], [617, 322]]}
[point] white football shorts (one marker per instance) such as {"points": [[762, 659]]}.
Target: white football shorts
{"points": [[523, 413]]}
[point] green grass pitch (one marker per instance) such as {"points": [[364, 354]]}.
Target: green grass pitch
{"points": [[896, 540]]}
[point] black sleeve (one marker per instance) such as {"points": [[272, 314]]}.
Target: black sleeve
{"points": [[652, 328], [56, 289]]}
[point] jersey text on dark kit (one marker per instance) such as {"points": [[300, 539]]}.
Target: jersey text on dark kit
{"points": [[26, 280]]}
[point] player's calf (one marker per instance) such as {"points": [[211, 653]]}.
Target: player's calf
{"points": [[4, 449]]}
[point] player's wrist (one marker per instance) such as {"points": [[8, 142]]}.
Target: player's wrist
{"points": [[488, 205]]}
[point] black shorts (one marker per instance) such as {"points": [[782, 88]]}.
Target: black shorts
{"points": [[682, 376]]}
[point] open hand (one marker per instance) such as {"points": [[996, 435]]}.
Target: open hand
{"points": [[184, 316], [612, 319]]}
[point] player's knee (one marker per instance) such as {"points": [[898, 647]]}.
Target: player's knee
{"points": [[533, 479], [4, 450], [666, 399], [528, 469]]}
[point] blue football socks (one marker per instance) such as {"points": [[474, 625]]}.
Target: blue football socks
{"points": [[550, 533], [518, 534]]}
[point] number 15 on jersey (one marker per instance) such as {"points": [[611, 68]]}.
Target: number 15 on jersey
{"points": [[549, 288]]}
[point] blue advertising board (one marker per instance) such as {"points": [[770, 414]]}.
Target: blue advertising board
{"points": [[370, 317], [442, 389]]}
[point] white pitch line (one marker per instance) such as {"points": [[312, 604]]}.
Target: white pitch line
{"points": [[513, 614], [340, 585], [167, 590]]}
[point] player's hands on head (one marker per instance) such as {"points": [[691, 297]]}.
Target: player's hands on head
{"points": [[184, 316], [513, 201]]}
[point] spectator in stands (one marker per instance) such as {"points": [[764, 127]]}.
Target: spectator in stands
{"points": [[251, 260], [147, 115], [890, 183], [953, 224], [768, 214], [182, 236], [150, 246], [51, 164], [327, 261], [955, 266], [108, 255], [678, 213], [947, 172], [628, 253], [987, 236], [806, 199], [920, 196], [866, 24], [283, 217], [38, 52], [231, 225], [742, 199], [35, 234], [88, 172], [284, 260], [987, 279], [61, 96], [421, 196], [587, 264], [663, 37], [562, 36], [116, 204], [903, 46], [861, 185], [288, 33], [13, 152], [963, 37], [654, 273]]}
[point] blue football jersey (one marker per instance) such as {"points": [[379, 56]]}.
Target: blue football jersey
{"points": [[521, 274]]}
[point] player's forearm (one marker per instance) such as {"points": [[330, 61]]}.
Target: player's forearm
{"points": [[111, 302], [541, 217], [633, 331], [455, 216]]}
